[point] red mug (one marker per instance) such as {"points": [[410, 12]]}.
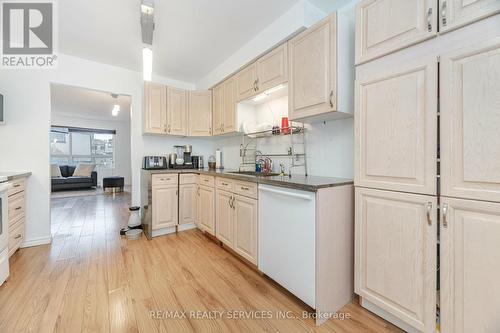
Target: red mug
{"points": [[285, 126]]}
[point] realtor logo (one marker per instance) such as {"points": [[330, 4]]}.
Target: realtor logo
{"points": [[28, 34]]}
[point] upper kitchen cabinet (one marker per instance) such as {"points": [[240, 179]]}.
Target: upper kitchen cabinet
{"points": [[321, 69], [224, 107], [272, 68], [229, 108], [155, 108], [470, 122], [200, 113], [217, 108], [457, 13], [246, 82], [177, 115], [267, 72], [384, 26], [396, 126]]}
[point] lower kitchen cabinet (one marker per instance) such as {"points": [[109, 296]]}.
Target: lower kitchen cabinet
{"points": [[187, 203], [224, 217], [206, 208], [165, 206], [245, 227], [470, 266], [395, 260]]}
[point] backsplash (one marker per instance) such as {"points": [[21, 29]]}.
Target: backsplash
{"points": [[329, 145]]}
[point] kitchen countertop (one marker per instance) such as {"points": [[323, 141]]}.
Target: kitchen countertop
{"points": [[297, 182], [8, 176]]}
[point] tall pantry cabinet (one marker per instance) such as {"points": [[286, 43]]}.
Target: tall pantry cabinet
{"points": [[427, 164]]}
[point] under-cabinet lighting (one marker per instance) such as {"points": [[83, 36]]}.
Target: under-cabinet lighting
{"points": [[259, 97], [147, 63], [275, 89]]}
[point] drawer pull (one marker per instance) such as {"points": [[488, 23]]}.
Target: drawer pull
{"points": [[245, 188], [17, 208], [17, 185], [225, 184], [18, 236], [206, 180]]}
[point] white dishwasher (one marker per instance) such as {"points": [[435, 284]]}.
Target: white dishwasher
{"points": [[287, 239]]}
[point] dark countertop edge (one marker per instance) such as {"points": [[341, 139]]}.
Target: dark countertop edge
{"points": [[15, 175], [260, 179]]}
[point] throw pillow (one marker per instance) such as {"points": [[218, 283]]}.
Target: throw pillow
{"points": [[83, 170], [55, 171]]}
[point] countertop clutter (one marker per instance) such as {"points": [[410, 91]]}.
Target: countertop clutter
{"points": [[297, 182]]}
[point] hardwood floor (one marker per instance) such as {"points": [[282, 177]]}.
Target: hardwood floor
{"points": [[92, 280]]}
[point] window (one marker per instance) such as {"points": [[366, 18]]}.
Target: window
{"points": [[80, 145]]}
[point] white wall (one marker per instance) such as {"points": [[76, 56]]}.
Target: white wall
{"points": [[122, 142]]}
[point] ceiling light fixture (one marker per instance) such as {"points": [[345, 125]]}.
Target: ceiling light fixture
{"points": [[147, 29], [116, 107], [147, 64]]}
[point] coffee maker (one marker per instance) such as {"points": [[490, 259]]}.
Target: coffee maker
{"points": [[183, 158], [188, 149]]}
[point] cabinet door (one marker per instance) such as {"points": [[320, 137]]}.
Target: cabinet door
{"points": [[272, 68], [245, 82], [396, 127], [456, 13], [217, 110], [176, 111], [224, 217], [207, 209], [155, 108], [470, 122], [229, 109], [313, 70], [245, 228], [395, 260], [187, 203], [165, 207], [200, 113], [470, 266], [384, 26]]}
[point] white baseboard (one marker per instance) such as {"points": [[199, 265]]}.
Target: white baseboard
{"points": [[184, 227], [36, 241]]}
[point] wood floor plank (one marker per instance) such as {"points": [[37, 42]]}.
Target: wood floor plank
{"points": [[91, 279]]}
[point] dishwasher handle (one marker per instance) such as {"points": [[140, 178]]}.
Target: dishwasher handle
{"points": [[286, 193]]}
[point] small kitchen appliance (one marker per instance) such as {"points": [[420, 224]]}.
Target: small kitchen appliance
{"points": [[154, 162], [187, 154], [183, 158]]}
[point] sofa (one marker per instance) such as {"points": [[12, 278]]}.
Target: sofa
{"points": [[68, 182]]}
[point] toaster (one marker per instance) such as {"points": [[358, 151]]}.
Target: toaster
{"points": [[154, 162]]}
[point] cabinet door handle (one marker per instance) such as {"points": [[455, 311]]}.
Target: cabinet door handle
{"points": [[331, 98], [257, 84], [230, 205], [443, 13], [429, 211], [18, 236], [17, 208], [445, 215], [17, 185], [429, 20]]}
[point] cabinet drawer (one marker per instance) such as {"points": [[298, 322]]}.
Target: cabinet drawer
{"points": [[164, 179], [207, 180], [16, 238], [16, 206], [187, 178], [224, 184], [16, 186], [14, 223], [245, 188]]}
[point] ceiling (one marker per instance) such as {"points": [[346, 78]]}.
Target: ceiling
{"points": [[87, 103], [191, 38]]}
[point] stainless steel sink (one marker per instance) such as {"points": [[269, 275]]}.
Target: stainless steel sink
{"points": [[253, 173]]}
